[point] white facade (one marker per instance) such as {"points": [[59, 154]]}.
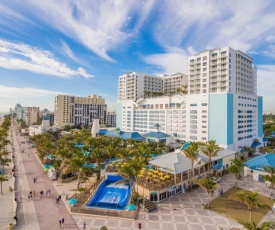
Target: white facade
{"points": [[221, 104], [111, 119], [40, 129], [133, 85]]}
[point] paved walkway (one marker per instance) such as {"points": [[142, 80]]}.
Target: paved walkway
{"points": [[7, 203], [37, 213], [181, 212]]}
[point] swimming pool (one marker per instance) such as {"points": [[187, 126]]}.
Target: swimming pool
{"points": [[110, 195]]}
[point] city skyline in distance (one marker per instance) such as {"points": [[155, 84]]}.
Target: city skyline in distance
{"points": [[82, 49]]}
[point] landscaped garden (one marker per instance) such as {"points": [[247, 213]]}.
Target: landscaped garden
{"points": [[229, 207]]}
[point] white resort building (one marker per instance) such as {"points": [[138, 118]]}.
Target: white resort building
{"points": [[221, 104]]}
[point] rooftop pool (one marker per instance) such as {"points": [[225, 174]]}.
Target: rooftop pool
{"points": [[111, 195]]}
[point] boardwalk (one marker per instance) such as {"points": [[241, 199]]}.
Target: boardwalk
{"points": [[37, 213]]}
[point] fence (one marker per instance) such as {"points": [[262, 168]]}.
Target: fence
{"points": [[105, 212]]}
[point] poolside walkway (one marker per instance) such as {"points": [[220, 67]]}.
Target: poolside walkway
{"points": [[183, 211], [37, 213]]}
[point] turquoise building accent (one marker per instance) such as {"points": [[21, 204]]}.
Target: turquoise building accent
{"points": [[260, 116], [221, 117]]}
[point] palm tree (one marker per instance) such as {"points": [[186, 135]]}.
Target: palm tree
{"points": [[236, 168], [127, 172], [270, 178], [192, 154], [208, 185], [98, 155], [124, 153], [4, 162], [251, 225], [2, 179], [76, 163], [210, 149], [250, 200]]}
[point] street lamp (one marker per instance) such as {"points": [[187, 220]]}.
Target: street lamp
{"points": [[20, 190]]}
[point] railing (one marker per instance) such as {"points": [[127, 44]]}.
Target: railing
{"points": [[105, 212]]}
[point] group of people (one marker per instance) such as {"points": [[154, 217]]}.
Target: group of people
{"points": [[61, 222]]}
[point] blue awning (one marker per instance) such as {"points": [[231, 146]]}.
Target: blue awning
{"points": [[255, 144], [102, 131]]}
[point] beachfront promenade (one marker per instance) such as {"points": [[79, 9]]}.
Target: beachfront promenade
{"points": [[7, 203], [36, 213]]}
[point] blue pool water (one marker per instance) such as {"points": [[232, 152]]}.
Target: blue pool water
{"points": [[110, 195]]}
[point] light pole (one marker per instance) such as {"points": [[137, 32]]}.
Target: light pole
{"points": [[20, 189]]}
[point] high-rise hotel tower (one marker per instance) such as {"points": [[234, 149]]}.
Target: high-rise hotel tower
{"points": [[221, 103]]}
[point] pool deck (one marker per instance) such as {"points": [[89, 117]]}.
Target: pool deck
{"points": [[183, 211]]}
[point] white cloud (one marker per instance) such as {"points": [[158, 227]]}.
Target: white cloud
{"points": [[211, 24], [169, 63], [67, 50], [98, 25], [16, 92], [23, 57], [266, 82], [266, 86]]}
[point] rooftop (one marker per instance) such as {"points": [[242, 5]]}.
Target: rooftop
{"points": [[260, 161]]}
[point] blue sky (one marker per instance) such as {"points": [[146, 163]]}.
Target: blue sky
{"points": [[81, 47]]}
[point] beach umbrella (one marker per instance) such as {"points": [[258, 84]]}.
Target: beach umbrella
{"points": [[131, 207], [150, 173], [155, 176], [71, 201], [167, 177]]}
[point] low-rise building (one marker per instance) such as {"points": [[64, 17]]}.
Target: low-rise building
{"points": [[254, 167], [40, 129]]}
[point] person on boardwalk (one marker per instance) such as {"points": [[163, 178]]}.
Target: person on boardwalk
{"points": [[84, 225], [41, 193], [57, 200], [60, 222], [34, 180], [49, 192], [63, 220]]}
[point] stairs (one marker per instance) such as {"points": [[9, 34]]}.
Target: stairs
{"points": [[149, 206]]}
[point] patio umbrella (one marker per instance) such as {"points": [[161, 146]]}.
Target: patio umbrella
{"points": [[72, 201], [155, 176], [167, 177], [131, 207], [150, 173]]}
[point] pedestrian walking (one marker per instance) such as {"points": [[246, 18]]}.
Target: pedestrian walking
{"points": [[221, 192], [57, 200], [59, 197], [84, 225], [33, 192], [34, 180], [63, 220], [60, 222], [49, 191], [30, 194], [41, 193]]}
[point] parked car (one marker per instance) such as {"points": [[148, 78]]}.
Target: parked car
{"points": [[216, 180]]}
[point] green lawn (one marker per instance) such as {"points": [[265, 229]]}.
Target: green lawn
{"points": [[238, 211]]}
